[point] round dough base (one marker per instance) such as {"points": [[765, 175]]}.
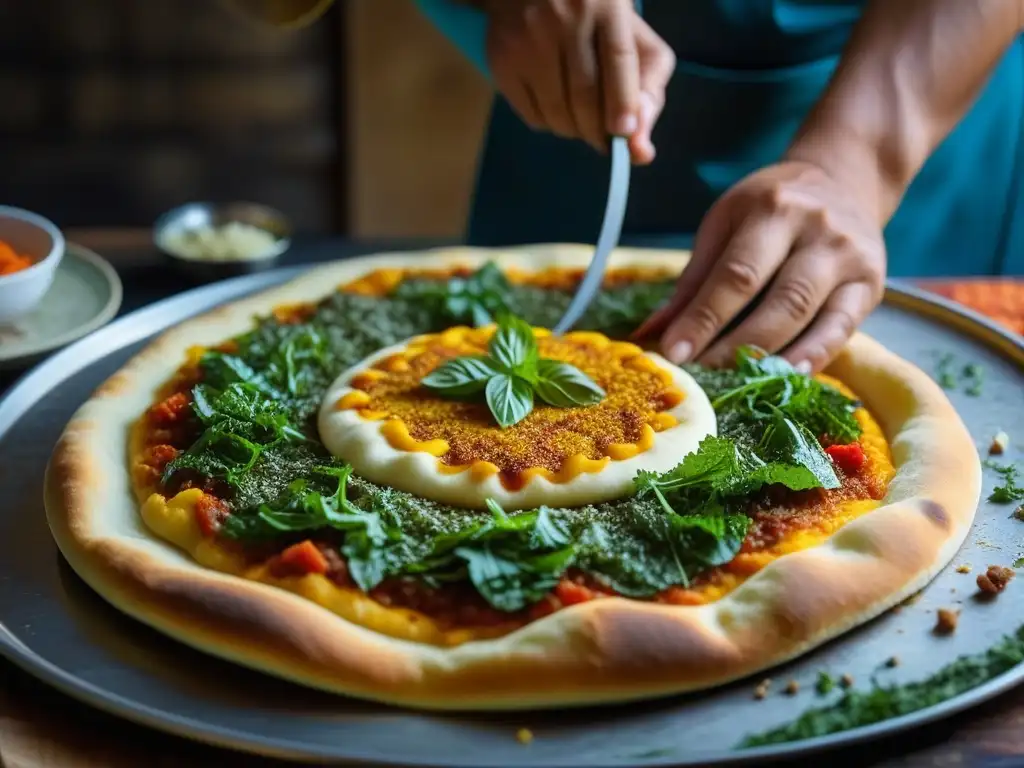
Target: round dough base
{"points": [[602, 651]]}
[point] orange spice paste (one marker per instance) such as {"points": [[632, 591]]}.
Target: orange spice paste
{"points": [[462, 434]]}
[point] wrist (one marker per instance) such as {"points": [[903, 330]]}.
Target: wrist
{"points": [[877, 177]]}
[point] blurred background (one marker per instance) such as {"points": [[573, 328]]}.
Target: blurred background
{"points": [[366, 124]]}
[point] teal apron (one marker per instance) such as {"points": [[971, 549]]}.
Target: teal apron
{"points": [[748, 73]]}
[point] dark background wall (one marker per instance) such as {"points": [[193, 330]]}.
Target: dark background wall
{"points": [[113, 111]]}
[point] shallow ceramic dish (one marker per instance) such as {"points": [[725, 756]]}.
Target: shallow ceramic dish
{"points": [[194, 217], [84, 294], [39, 239]]}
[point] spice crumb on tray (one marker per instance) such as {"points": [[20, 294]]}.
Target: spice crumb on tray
{"points": [[946, 621], [892, 661], [524, 736], [994, 580], [1000, 442], [846, 681], [965, 568], [762, 688], [792, 688]]}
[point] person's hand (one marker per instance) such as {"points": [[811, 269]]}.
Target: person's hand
{"points": [[801, 245], [585, 69]]}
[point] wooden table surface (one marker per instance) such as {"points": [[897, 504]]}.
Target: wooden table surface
{"points": [[40, 728]]}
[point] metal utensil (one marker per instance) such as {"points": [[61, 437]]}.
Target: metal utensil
{"points": [[614, 212]]}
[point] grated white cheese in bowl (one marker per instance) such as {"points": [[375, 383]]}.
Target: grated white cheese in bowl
{"points": [[234, 241]]}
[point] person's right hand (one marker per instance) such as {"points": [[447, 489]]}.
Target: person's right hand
{"points": [[586, 69]]}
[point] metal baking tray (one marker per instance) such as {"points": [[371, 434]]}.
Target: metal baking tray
{"points": [[57, 629]]}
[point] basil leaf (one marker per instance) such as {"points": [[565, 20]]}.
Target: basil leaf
{"points": [[565, 386], [513, 346], [510, 399], [462, 376], [792, 444], [511, 584]]}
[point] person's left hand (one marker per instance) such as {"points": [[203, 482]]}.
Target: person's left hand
{"points": [[805, 240]]}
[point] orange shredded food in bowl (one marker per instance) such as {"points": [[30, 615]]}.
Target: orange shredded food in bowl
{"points": [[11, 261]]}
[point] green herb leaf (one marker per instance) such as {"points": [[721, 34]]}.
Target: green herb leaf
{"points": [[764, 384], [461, 376], [476, 299], [566, 386], [1011, 490], [825, 683], [510, 399], [514, 348], [791, 445]]}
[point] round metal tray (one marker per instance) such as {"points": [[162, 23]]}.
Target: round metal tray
{"points": [[57, 629]]}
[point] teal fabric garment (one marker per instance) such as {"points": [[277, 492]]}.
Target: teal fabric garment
{"points": [[748, 72]]}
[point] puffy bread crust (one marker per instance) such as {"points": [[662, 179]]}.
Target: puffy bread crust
{"points": [[602, 651]]}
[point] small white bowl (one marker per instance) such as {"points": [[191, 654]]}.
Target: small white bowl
{"points": [[30, 235]]}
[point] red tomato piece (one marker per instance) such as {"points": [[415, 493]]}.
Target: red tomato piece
{"points": [[849, 458], [300, 559]]}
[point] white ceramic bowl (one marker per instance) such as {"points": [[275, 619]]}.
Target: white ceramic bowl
{"points": [[30, 235]]}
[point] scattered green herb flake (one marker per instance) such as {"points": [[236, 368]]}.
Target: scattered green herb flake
{"points": [[973, 376], [1019, 562], [825, 684], [944, 371], [1010, 490], [651, 754], [860, 708]]}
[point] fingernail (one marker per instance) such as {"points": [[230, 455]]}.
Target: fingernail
{"points": [[626, 125], [680, 352], [804, 366]]}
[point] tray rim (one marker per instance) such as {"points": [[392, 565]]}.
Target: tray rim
{"points": [[30, 388]]}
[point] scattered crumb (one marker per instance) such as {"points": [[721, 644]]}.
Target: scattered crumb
{"points": [[792, 688], [965, 568], [999, 444], [892, 661], [946, 621], [762, 688], [524, 736], [1018, 513], [846, 681], [995, 579], [986, 544]]}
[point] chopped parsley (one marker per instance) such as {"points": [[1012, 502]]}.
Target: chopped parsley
{"points": [[255, 415], [825, 683], [1011, 489], [971, 375], [856, 709]]}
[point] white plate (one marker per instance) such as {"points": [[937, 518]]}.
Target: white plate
{"points": [[85, 295]]}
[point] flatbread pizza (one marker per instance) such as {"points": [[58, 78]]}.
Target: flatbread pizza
{"points": [[388, 479]]}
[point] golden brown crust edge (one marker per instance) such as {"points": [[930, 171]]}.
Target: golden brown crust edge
{"points": [[603, 651]]}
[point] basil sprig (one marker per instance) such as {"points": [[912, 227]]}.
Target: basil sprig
{"points": [[512, 375]]}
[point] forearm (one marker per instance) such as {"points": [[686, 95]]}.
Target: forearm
{"points": [[911, 71]]}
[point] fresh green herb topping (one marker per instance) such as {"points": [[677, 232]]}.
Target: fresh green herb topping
{"points": [[763, 386], [257, 438], [859, 708], [477, 299], [1011, 490], [512, 374]]}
